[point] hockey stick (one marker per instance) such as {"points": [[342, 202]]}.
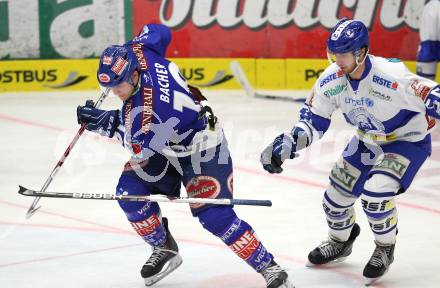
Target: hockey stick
{"points": [[153, 198], [241, 78], [60, 163]]}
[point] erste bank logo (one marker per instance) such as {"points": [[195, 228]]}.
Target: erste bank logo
{"points": [[384, 82]]}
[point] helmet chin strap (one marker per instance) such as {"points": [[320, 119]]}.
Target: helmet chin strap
{"points": [[358, 64]]}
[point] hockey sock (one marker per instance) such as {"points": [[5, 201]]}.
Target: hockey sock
{"points": [[144, 217], [237, 234], [338, 208], [150, 229], [379, 206]]}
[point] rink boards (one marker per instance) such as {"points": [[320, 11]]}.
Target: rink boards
{"points": [[210, 73]]}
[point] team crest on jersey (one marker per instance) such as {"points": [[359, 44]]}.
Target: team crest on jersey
{"points": [[384, 82], [331, 77], [104, 78], [365, 121], [107, 60], [119, 66]]}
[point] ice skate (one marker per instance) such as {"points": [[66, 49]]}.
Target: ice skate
{"points": [[276, 277], [379, 263], [333, 251], [164, 260]]}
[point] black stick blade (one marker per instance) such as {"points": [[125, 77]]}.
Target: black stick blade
{"points": [[24, 191]]}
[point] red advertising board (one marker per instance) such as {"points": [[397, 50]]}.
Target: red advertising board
{"points": [[278, 28]]}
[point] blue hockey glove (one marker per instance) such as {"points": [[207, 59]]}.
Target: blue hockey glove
{"points": [[282, 148], [100, 121]]}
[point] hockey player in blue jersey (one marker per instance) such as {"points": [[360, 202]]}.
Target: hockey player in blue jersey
{"points": [[392, 110], [173, 138], [428, 55]]}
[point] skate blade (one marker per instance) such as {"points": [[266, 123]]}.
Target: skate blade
{"points": [[172, 265], [287, 284], [370, 281], [339, 260]]}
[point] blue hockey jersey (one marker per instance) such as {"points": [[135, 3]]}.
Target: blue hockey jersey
{"points": [[162, 114]]}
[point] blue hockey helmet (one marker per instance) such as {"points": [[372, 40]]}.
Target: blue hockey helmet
{"points": [[116, 65], [348, 36]]}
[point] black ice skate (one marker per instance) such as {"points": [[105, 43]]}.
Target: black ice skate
{"points": [[379, 262], [333, 251], [276, 277], [164, 260]]}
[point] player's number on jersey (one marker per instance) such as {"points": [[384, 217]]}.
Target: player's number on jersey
{"points": [[181, 100], [433, 102], [436, 91]]}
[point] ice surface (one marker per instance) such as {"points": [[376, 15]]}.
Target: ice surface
{"points": [[87, 243]]}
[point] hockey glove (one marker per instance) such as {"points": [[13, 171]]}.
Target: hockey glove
{"points": [[206, 110], [100, 121], [282, 148]]}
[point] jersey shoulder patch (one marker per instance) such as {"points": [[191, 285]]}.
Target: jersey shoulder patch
{"points": [[389, 66]]}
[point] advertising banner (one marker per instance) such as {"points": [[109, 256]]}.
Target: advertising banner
{"points": [[279, 28], [48, 75], [50, 29], [206, 73], [62, 29]]}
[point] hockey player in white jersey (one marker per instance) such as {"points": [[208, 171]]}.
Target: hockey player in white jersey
{"points": [[429, 49], [392, 110]]}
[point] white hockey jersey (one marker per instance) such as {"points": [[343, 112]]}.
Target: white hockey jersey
{"points": [[388, 105], [429, 49]]}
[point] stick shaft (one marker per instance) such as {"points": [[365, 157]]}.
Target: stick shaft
{"points": [[33, 208], [153, 198], [250, 91]]}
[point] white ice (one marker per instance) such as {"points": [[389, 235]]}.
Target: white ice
{"points": [[89, 243]]}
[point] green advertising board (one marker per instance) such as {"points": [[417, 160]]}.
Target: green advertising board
{"points": [[50, 29]]}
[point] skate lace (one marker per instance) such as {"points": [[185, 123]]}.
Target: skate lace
{"points": [[271, 273], [157, 255], [329, 248], [380, 256]]}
